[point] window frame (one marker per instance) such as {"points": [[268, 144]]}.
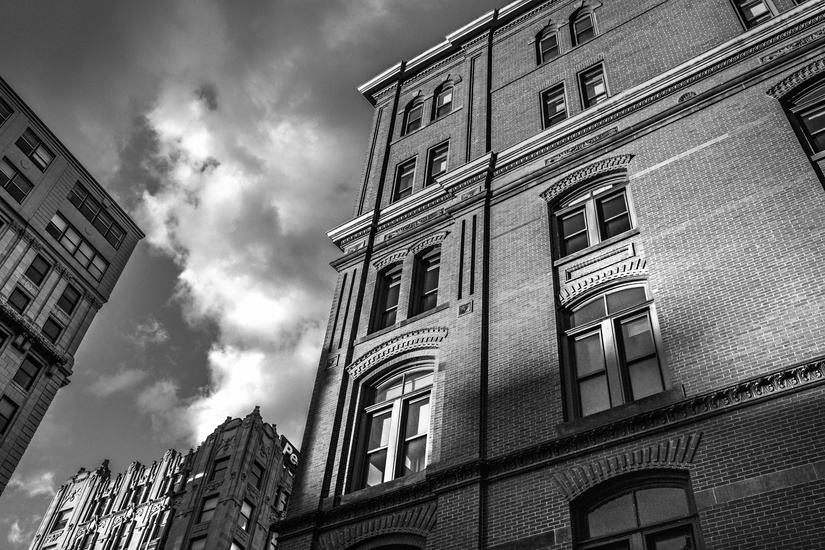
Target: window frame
{"points": [[441, 91], [55, 336], [18, 291], [72, 305], [582, 77], [94, 211], [76, 250], [417, 104], [13, 180], [580, 15], [401, 173], [215, 468], [259, 477], [247, 519], [34, 274], [387, 278], [739, 7], [61, 520], [27, 379], [5, 111], [34, 153], [552, 92], [424, 261], [801, 105], [551, 31], [436, 153], [6, 421], [208, 500]]}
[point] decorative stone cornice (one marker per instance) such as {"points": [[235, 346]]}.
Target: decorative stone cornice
{"points": [[805, 73], [529, 15], [634, 267], [435, 67], [605, 166], [389, 259], [427, 242], [427, 338], [419, 520], [412, 225], [52, 353], [677, 452], [813, 37]]}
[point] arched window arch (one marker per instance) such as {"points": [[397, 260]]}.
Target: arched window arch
{"points": [[583, 25], [651, 510], [413, 116], [394, 435], [547, 43], [808, 109], [443, 102], [612, 348]]}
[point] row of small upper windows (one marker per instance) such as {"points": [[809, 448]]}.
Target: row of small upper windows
{"points": [[424, 289], [414, 112], [582, 29], [592, 90], [405, 172]]}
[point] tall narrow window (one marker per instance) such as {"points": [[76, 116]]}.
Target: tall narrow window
{"points": [[52, 330], [613, 350], [27, 372], [208, 509], [443, 103], [13, 181], [547, 45], [7, 410], [437, 162], [19, 300], [404, 177], [425, 281], [256, 475], [593, 217], [386, 297], [61, 520], [553, 106], [5, 111], [397, 427], [33, 147], [219, 469], [245, 515], [809, 109], [68, 300], [753, 12], [413, 115], [584, 27], [593, 86], [38, 269]]}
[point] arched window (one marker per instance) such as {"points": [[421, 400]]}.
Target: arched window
{"points": [[396, 427], [652, 511], [613, 350], [413, 115], [583, 25], [443, 104], [808, 108], [547, 44]]}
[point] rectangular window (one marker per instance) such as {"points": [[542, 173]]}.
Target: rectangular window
{"points": [[553, 106], [95, 213], [593, 218], [68, 300], [61, 520], [7, 410], [52, 330], [425, 281], [413, 119], [386, 297], [38, 270], [548, 47], [404, 176], [5, 111], [33, 147], [219, 469], [198, 544], [19, 300], [256, 475], [583, 28], [753, 12], [444, 101], [27, 372], [13, 181], [593, 86], [235, 546], [245, 515], [208, 509], [82, 251], [283, 501], [437, 162]]}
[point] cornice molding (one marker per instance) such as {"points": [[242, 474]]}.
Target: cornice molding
{"points": [[813, 37], [599, 168], [788, 84], [523, 18], [428, 338], [555, 144]]}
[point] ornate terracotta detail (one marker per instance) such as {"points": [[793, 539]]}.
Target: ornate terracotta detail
{"points": [[628, 268], [431, 69], [455, 477], [529, 15], [427, 338], [427, 242], [810, 70], [389, 259], [604, 166], [420, 221], [672, 453], [813, 37], [213, 486], [414, 212], [686, 96], [418, 521], [54, 354], [16, 227]]}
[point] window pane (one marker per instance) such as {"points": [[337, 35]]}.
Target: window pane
{"points": [[7, 171], [584, 29], [645, 378], [573, 223], [388, 390], [814, 122], [98, 267], [376, 464], [590, 312], [574, 232], [70, 239], [19, 300], [589, 355], [672, 540], [637, 338], [623, 299], [415, 456], [660, 504], [417, 381], [418, 418], [379, 431], [594, 395], [414, 118], [549, 47], [612, 517]]}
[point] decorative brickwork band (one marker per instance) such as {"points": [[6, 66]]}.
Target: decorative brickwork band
{"points": [[604, 166], [388, 260], [673, 453], [813, 37], [427, 242], [419, 339], [415, 521], [808, 71], [634, 267]]}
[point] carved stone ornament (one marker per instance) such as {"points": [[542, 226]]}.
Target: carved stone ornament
{"points": [[419, 339], [634, 267], [53, 537], [813, 37], [686, 96], [52, 353], [389, 259], [604, 166], [789, 83], [427, 242], [418, 521]]}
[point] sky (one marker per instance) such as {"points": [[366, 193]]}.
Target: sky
{"points": [[233, 134]]}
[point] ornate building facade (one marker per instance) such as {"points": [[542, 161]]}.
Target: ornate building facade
{"points": [[580, 296], [221, 496], [63, 245]]}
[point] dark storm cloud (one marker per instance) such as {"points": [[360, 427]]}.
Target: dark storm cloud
{"points": [[208, 93]]}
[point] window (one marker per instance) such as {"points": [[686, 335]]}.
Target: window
{"points": [[809, 109], [208, 509], [425, 281], [413, 115], [256, 475], [52, 330], [235, 546], [753, 12], [19, 300], [593, 86], [656, 512], [397, 425], [68, 300], [593, 217], [7, 410], [13, 181], [283, 501], [82, 251], [198, 544], [219, 469], [443, 103], [613, 350], [584, 27], [38, 270], [437, 162], [404, 176], [33, 148], [246, 513], [61, 520], [27, 372], [5, 111], [95, 213], [553, 106], [547, 45], [386, 297]]}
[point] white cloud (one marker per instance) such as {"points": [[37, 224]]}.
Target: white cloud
{"points": [[16, 535], [149, 332], [121, 380], [41, 483]]}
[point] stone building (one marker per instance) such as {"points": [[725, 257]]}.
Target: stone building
{"points": [[221, 496], [581, 295], [63, 245]]}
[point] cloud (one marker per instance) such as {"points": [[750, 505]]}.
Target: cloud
{"points": [[41, 483], [121, 380], [149, 332], [16, 535]]}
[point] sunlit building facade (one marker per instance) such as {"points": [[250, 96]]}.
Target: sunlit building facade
{"points": [[580, 297], [63, 245]]}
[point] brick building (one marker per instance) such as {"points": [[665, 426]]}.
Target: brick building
{"points": [[221, 496], [63, 245]]}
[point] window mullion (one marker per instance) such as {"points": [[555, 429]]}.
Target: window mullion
{"points": [[393, 443], [592, 223], [615, 382]]}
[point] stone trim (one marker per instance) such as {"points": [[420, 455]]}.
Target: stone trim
{"points": [[32, 334], [427, 242], [428, 338], [634, 267], [389, 259], [598, 168], [419, 520], [813, 37], [418, 77], [521, 19], [672, 453], [780, 90]]}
